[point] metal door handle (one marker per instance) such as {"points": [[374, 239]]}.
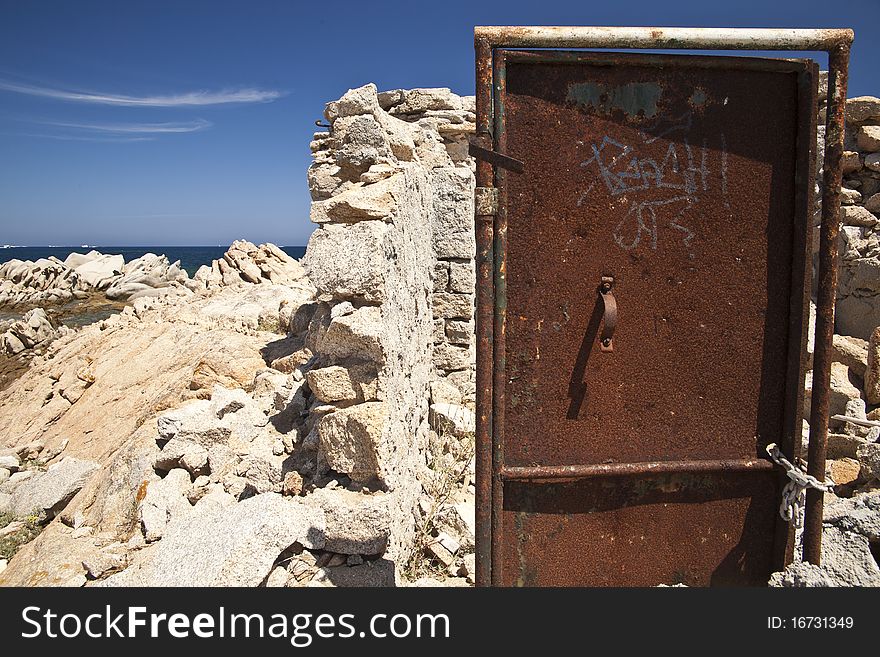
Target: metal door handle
{"points": [[609, 316]]}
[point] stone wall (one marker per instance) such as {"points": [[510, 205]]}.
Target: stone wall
{"points": [[393, 264], [452, 119], [858, 290]]}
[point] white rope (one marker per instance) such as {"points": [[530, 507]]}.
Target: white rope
{"points": [[794, 492], [856, 420]]}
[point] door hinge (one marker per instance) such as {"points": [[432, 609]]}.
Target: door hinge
{"points": [[495, 158]]}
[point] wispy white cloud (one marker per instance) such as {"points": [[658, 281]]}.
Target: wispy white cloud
{"points": [[187, 99], [119, 140], [139, 128]]}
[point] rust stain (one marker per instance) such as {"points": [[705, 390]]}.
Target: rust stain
{"points": [[141, 492]]}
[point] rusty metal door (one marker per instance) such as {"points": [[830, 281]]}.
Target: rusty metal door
{"points": [[649, 294]]}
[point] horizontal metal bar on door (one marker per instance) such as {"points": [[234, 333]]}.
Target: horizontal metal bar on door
{"points": [[509, 473], [685, 38]]}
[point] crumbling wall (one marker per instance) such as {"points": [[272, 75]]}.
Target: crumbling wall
{"points": [[452, 119], [858, 291], [392, 191]]}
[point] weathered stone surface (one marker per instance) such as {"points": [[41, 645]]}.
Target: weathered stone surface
{"points": [[350, 440], [453, 213], [245, 262], [842, 390], [265, 307], [96, 270], [451, 419], [856, 215], [357, 335], [460, 332], [872, 161], [277, 578], [34, 329], [849, 196], [441, 276], [868, 138], [54, 558], [466, 511], [847, 557], [361, 141], [841, 445], [844, 471], [334, 383], [462, 277], [359, 203], [443, 392], [431, 201], [182, 453], [872, 368], [262, 472], [852, 352], [164, 499], [149, 275], [52, 490], [855, 408], [857, 313], [293, 484], [850, 162], [862, 108], [378, 172], [16, 479], [417, 101], [193, 423], [45, 280], [348, 261], [869, 457], [457, 521], [363, 100], [859, 514], [438, 334], [453, 306], [233, 545], [354, 523], [802, 574], [450, 357]]}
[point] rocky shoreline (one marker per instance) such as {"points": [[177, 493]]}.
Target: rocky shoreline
{"points": [[143, 447]]}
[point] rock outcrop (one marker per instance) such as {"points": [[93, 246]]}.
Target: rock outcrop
{"points": [[50, 280], [33, 331], [247, 263]]}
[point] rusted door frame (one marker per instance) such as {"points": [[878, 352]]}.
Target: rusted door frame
{"points": [[490, 229]]}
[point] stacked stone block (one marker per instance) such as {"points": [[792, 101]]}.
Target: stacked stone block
{"points": [[392, 192]]}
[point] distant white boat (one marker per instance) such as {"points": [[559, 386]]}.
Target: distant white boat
{"points": [[84, 246], [10, 246]]}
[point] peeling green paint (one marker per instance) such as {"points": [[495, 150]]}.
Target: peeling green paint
{"points": [[698, 98], [634, 98]]}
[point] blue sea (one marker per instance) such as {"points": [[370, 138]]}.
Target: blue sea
{"points": [[191, 257]]}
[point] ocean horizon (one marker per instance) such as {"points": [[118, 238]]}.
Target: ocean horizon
{"points": [[190, 257]]}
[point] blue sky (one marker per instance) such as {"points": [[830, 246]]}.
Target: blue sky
{"points": [[173, 123]]}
